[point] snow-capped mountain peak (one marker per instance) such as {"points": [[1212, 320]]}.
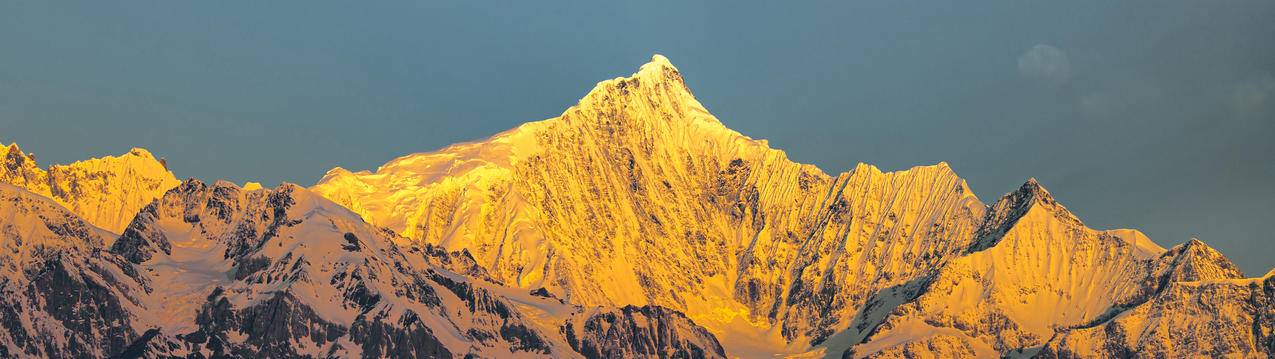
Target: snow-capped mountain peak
{"points": [[1010, 208], [638, 195], [106, 191], [635, 224]]}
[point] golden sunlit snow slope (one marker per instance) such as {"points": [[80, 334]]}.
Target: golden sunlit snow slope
{"points": [[1204, 309], [105, 191], [613, 170], [637, 195], [1040, 269]]}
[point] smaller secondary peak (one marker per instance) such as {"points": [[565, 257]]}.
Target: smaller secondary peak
{"points": [[140, 152], [1195, 245], [338, 171], [658, 60], [224, 183], [189, 185], [289, 187], [1032, 190], [339, 174], [1005, 213], [942, 168], [1033, 185], [658, 69], [865, 168], [1195, 260], [14, 150]]}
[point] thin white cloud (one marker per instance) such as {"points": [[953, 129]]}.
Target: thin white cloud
{"points": [[1045, 63], [1254, 96], [1118, 99]]}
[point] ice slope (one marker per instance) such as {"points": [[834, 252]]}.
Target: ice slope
{"points": [[105, 191]]}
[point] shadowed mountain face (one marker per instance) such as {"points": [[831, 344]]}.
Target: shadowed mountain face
{"points": [[633, 225], [61, 294], [215, 270]]}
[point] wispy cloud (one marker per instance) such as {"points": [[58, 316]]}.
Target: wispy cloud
{"points": [[1045, 63], [1255, 96]]}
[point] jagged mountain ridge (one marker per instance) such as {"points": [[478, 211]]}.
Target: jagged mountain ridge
{"points": [[216, 270], [105, 191], [213, 270], [634, 198], [638, 195]]}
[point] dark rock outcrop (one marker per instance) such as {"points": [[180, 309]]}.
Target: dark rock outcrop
{"points": [[647, 331]]}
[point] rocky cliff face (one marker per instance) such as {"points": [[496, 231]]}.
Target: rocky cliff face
{"points": [[105, 191], [637, 195], [635, 332], [61, 295]]}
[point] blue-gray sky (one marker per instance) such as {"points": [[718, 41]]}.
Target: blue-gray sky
{"points": [[1157, 115]]}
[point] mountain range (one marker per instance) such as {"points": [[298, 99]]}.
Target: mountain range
{"points": [[633, 225]]}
